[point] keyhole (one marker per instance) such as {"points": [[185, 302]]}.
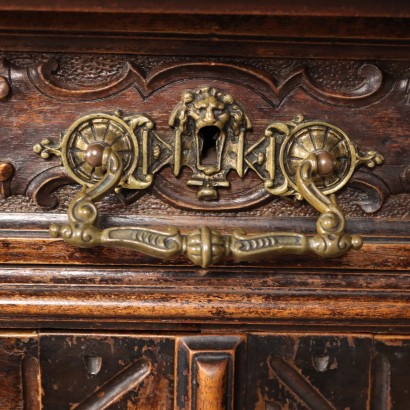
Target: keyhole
{"points": [[209, 135]]}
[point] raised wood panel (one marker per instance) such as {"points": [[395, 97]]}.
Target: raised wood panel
{"points": [[90, 372], [302, 371], [210, 372]]}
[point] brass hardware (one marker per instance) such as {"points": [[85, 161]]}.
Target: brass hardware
{"points": [[6, 171], [209, 134], [4, 88], [310, 160], [6, 175], [133, 138]]}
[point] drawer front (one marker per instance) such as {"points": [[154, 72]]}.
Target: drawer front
{"points": [[45, 96], [100, 371], [308, 372]]}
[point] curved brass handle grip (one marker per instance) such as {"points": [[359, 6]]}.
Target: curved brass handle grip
{"points": [[310, 160], [204, 246]]}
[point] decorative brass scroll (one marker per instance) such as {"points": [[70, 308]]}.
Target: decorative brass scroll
{"points": [[307, 159]]}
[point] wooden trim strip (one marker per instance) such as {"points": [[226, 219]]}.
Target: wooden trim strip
{"points": [[213, 305]]}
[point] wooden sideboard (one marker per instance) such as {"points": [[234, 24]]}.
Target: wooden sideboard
{"points": [[108, 327]]}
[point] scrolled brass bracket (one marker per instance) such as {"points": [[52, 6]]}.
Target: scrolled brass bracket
{"points": [[310, 160]]}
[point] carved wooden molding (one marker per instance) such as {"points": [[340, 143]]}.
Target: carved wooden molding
{"points": [[31, 375], [373, 87], [269, 370], [208, 372]]}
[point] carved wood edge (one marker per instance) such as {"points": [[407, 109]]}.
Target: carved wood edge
{"points": [[138, 306], [373, 87], [208, 370]]}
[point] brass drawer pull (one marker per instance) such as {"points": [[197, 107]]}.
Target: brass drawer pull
{"points": [[310, 160]]}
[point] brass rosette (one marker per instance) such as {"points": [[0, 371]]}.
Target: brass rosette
{"points": [[83, 145]]}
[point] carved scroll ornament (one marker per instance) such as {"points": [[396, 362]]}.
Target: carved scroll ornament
{"points": [[310, 160]]}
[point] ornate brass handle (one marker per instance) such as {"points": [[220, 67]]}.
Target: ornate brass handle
{"points": [[310, 160]]}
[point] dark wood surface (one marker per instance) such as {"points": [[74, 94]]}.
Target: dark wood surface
{"points": [[17, 350], [92, 368], [100, 328], [377, 29], [310, 371]]}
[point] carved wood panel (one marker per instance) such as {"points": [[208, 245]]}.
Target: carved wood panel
{"points": [[90, 372], [56, 90], [284, 371], [42, 94], [352, 69], [210, 372], [301, 372]]}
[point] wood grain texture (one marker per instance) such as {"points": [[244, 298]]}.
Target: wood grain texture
{"points": [[212, 384], [362, 31], [236, 7], [128, 305], [31, 250], [14, 350], [299, 385], [392, 355], [328, 371], [381, 385], [31, 382], [113, 391], [133, 297]]}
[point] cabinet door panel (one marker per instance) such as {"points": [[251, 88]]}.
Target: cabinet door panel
{"points": [[296, 372], [107, 371]]}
